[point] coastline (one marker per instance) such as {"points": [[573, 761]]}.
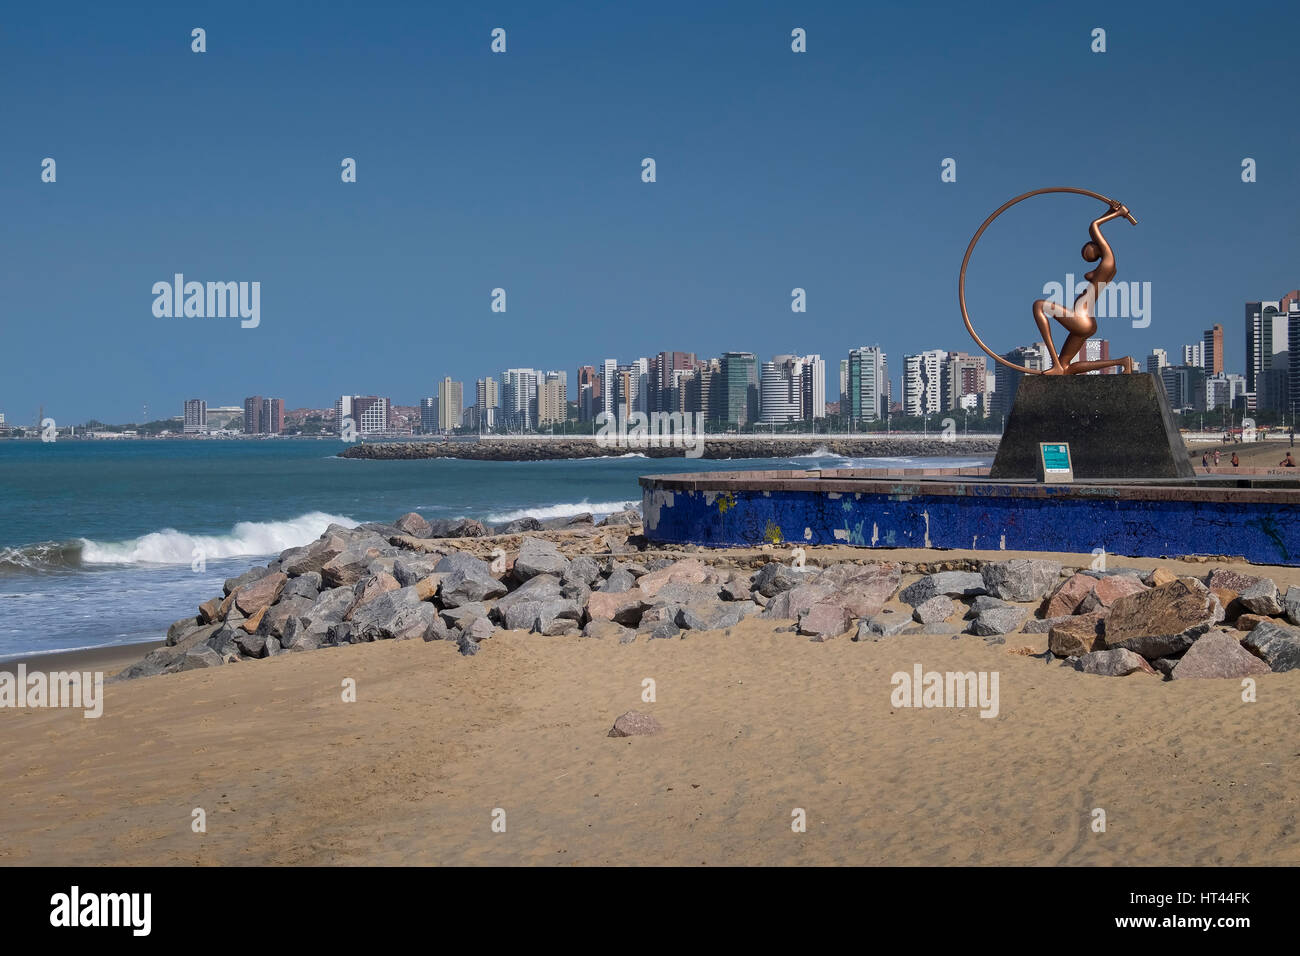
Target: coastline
{"points": [[717, 447], [756, 720]]}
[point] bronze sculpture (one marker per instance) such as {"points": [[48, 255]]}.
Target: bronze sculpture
{"points": [[1079, 322]]}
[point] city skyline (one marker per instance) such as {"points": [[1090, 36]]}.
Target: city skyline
{"points": [[780, 193]]}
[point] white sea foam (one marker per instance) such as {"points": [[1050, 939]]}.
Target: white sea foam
{"points": [[247, 538], [565, 510]]}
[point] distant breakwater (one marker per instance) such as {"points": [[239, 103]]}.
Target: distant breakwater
{"points": [[718, 447]]}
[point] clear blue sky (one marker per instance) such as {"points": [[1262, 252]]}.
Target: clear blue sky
{"points": [[522, 170]]}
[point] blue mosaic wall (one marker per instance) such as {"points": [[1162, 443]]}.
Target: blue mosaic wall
{"points": [[1261, 533]]}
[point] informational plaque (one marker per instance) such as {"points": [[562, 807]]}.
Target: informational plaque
{"points": [[1054, 462]]}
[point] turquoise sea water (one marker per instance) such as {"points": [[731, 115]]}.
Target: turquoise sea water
{"points": [[98, 539]]}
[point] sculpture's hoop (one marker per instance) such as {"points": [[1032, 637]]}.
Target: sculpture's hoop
{"points": [[961, 281]]}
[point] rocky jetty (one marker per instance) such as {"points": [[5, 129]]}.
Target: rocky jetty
{"points": [[464, 582], [714, 446]]}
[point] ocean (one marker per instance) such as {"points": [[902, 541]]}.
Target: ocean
{"points": [[98, 538]]}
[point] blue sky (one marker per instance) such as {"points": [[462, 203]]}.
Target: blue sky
{"points": [[522, 171]]}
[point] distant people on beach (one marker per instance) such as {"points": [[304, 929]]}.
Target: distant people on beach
{"points": [[1288, 461], [1205, 461], [1293, 438], [1216, 458], [1235, 462]]}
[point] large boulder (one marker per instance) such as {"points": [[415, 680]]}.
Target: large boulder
{"points": [[953, 584], [412, 524], [1106, 591], [305, 585], [884, 624], [582, 569], [1277, 644], [1262, 597], [823, 620], [278, 615], [713, 615], [1075, 636], [466, 580], [539, 556], [775, 577], [998, 620], [314, 556], [347, 567], [1218, 655], [392, 615], [624, 607], [1068, 595], [1021, 579], [934, 610], [1291, 604], [686, 571], [608, 630], [367, 589], [619, 580], [1163, 621], [1117, 662], [862, 590], [260, 594], [788, 605]]}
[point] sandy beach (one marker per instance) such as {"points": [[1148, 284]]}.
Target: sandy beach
{"points": [[757, 723]]}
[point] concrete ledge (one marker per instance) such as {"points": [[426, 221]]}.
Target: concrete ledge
{"points": [[1261, 523]]}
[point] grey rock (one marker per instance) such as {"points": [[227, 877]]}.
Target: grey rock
{"points": [[1278, 645], [539, 556], [455, 616], [583, 569], [664, 630], [1021, 579], [1117, 662], [1291, 604], [710, 616], [201, 656], [248, 577], [412, 524], [520, 525], [251, 645], [884, 624], [998, 620], [774, 577], [934, 610], [1261, 598], [478, 629], [953, 584], [466, 580], [606, 630], [409, 571], [302, 586], [618, 582]]}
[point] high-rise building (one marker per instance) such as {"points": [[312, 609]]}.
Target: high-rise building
{"points": [[868, 384], [587, 392], [1185, 386], [1223, 389], [814, 387], [1157, 360], [429, 415], [1268, 354], [1194, 355], [1212, 350], [608, 386], [519, 398], [844, 385], [253, 415], [553, 399], [781, 390], [451, 404], [963, 383], [663, 369], [922, 386], [369, 413], [1033, 357], [1098, 350], [702, 388], [272, 416], [739, 388], [196, 416]]}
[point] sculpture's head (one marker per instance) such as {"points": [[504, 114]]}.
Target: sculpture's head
{"points": [[1090, 252]]}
